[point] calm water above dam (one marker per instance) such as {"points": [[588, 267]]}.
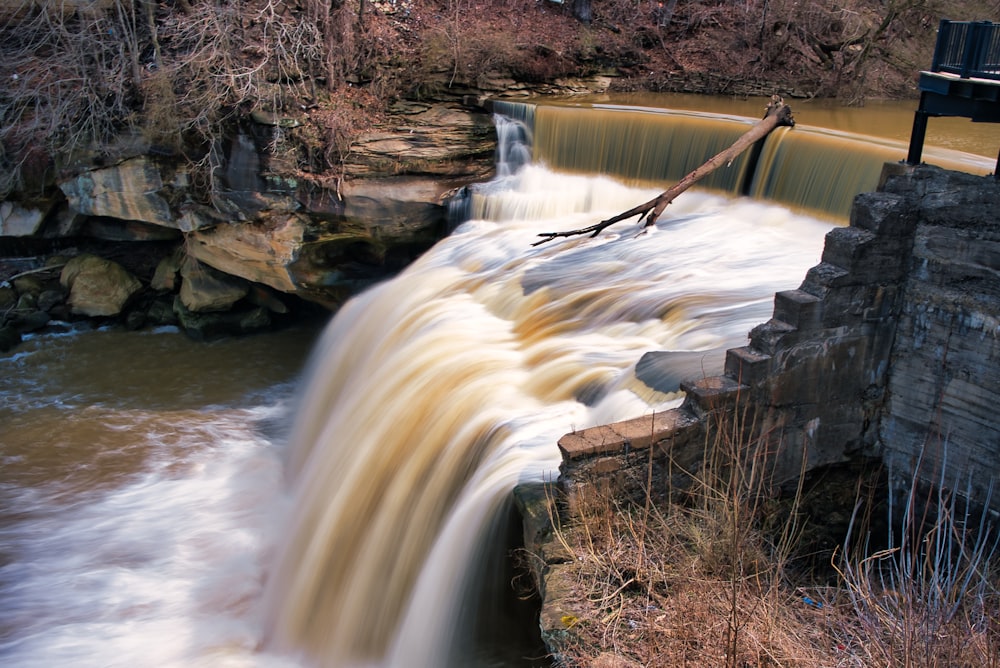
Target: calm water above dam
{"points": [[323, 497]]}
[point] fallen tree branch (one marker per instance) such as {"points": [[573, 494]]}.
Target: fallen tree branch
{"points": [[778, 114]]}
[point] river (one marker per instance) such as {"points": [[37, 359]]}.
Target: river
{"points": [[318, 497]]}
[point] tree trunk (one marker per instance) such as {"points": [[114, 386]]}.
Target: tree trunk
{"points": [[778, 114]]}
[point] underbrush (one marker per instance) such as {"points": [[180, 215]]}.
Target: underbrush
{"points": [[83, 76], [726, 573]]}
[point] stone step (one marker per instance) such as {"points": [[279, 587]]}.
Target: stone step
{"points": [[767, 336], [746, 365], [847, 247], [621, 438], [798, 309], [711, 394], [823, 277], [866, 256]]}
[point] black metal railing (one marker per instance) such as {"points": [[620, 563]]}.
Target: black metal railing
{"points": [[968, 49]]}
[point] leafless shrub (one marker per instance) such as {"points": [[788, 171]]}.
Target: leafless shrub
{"points": [[929, 597]]}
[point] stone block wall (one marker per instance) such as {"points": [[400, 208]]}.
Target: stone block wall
{"points": [[888, 345], [942, 417]]}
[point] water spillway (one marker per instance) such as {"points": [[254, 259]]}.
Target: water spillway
{"points": [[812, 169]]}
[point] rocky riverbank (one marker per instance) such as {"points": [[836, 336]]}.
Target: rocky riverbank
{"points": [[125, 240]]}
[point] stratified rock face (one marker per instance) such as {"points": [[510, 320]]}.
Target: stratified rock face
{"points": [[436, 140], [320, 242], [130, 190], [98, 287], [945, 371]]}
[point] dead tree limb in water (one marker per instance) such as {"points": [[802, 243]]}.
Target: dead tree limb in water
{"points": [[778, 114]]}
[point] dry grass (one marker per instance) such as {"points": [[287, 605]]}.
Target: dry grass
{"points": [[714, 580]]}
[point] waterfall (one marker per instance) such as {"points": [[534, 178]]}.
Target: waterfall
{"points": [[513, 143], [810, 169], [431, 395]]}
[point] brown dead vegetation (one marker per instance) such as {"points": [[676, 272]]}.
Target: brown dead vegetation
{"points": [[726, 572], [80, 76]]}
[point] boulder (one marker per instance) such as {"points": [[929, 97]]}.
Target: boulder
{"points": [[217, 325], [9, 338], [130, 190], [260, 252], [165, 278], [403, 209], [20, 221], [98, 287], [204, 289]]}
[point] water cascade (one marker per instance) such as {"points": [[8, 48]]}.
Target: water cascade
{"points": [[433, 394]]}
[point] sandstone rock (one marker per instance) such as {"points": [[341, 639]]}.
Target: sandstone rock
{"points": [[258, 252], [442, 139], [98, 287], [130, 190], [19, 221], [165, 277], [404, 209], [203, 289]]}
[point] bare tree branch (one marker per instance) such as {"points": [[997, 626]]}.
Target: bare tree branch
{"points": [[778, 114]]}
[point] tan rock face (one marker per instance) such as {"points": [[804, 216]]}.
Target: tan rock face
{"points": [[130, 190], [165, 278], [97, 287], [431, 139], [258, 252]]}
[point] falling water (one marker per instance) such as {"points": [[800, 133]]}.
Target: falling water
{"points": [[432, 395], [810, 169]]}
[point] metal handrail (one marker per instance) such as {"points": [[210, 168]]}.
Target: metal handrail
{"points": [[968, 49]]}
